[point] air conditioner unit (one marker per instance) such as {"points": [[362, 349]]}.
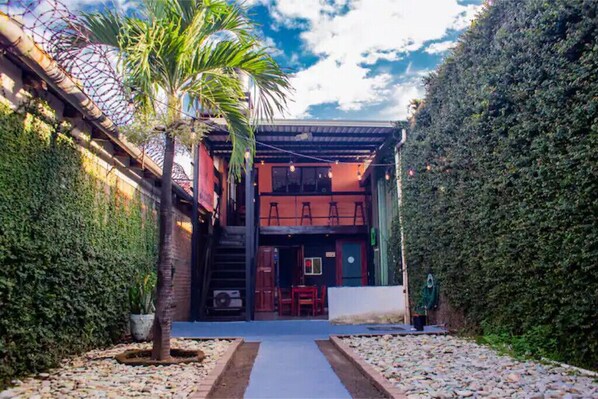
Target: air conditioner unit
{"points": [[224, 299]]}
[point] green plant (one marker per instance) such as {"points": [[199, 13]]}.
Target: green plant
{"points": [[68, 246], [142, 294], [501, 203], [195, 52]]}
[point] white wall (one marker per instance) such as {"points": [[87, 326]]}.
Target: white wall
{"points": [[366, 304]]}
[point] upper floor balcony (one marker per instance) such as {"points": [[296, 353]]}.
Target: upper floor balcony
{"points": [[311, 198]]}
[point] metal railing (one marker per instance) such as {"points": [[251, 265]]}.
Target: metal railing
{"points": [[339, 208]]}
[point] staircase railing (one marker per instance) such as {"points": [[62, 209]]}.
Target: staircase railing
{"points": [[207, 263]]}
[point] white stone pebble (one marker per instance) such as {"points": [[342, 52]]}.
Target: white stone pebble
{"points": [[96, 374], [441, 366]]}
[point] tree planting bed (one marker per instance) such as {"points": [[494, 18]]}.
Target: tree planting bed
{"points": [[441, 366], [96, 374]]}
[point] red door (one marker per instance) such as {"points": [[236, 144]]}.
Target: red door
{"points": [[264, 280]]}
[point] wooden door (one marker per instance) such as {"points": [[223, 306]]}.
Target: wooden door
{"points": [[264, 280]]}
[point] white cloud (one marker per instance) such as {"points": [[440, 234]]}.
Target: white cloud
{"points": [[441, 47], [400, 99], [372, 29], [329, 81], [273, 49], [350, 36]]}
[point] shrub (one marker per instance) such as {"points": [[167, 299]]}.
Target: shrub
{"points": [[502, 204], [68, 247]]}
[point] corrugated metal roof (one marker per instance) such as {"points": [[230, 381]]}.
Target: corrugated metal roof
{"points": [[343, 140]]}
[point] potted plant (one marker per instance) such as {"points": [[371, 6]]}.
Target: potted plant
{"points": [[419, 318], [142, 295]]}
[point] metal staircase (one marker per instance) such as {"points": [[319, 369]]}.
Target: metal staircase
{"points": [[226, 275]]}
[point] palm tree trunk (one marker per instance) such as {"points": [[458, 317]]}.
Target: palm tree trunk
{"points": [[163, 319]]}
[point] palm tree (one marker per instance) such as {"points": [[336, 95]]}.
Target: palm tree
{"points": [[173, 52]]}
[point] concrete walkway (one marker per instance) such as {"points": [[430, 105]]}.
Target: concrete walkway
{"points": [[289, 364]]}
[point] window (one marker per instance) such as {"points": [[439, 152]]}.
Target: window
{"points": [[294, 181], [323, 182], [309, 180], [279, 180], [305, 179], [312, 266]]}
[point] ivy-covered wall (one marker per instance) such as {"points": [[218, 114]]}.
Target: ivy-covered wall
{"points": [[69, 244], [501, 178]]}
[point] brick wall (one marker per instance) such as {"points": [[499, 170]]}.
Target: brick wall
{"points": [[182, 267]]}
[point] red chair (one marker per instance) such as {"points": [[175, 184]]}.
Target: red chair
{"points": [[285, 300], [306, 296], [321, 301]]}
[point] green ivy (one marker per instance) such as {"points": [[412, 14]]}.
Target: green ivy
{"points": [[502, 205], [69, 246]]}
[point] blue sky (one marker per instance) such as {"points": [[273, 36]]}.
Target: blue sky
{"points": [[353, 59], [359, 59]]}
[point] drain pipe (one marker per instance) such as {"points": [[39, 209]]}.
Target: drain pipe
{"points": [[407, 314]]}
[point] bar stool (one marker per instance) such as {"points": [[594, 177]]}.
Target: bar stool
{"points": [[359, 205], [306, 212], [273, 206], [333, 214]]}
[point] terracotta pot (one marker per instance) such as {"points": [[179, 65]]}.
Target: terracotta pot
{"points": [[141, 326]]}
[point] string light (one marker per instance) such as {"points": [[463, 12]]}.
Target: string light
{"points": [[330, 173], [387, 175], [247, 153], [359, 172], [262, 162], [411, 172], [291, 166], [428, 167]]}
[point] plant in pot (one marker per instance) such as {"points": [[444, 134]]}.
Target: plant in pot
{"points": [[142, 295]]}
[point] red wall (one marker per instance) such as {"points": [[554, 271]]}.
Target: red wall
{"points": [[344, 178]]}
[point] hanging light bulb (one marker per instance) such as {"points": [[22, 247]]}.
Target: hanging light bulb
{"points": [[428, 167], [359, 172], [336, 162], [262, 162], [411, 172], [387, 175], [330, 173], [291, 166], [247, 153]]}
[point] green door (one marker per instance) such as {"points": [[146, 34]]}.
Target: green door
{"points": [[352, 263]]}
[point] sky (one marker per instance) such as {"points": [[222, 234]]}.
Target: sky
{"points": [[353, 59], [359, 59]]}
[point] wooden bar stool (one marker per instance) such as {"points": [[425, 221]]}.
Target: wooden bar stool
{"points": [[273, 206], [333, 218], [359, 206], [306, 212]]}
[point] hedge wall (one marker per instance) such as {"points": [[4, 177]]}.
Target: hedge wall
{"points": [[68, 247], [502, 198]]}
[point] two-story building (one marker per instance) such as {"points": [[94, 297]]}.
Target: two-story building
{"points": [[305, 215]]}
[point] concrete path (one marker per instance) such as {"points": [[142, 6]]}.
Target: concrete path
{"points": [[289, 364], [293, 368]]}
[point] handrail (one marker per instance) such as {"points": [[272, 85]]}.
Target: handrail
{"points": [[207, 261], [329, 194], [292, 212]]}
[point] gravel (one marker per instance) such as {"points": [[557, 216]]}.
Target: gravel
{"points": [[96, 374], [440, 366]]}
